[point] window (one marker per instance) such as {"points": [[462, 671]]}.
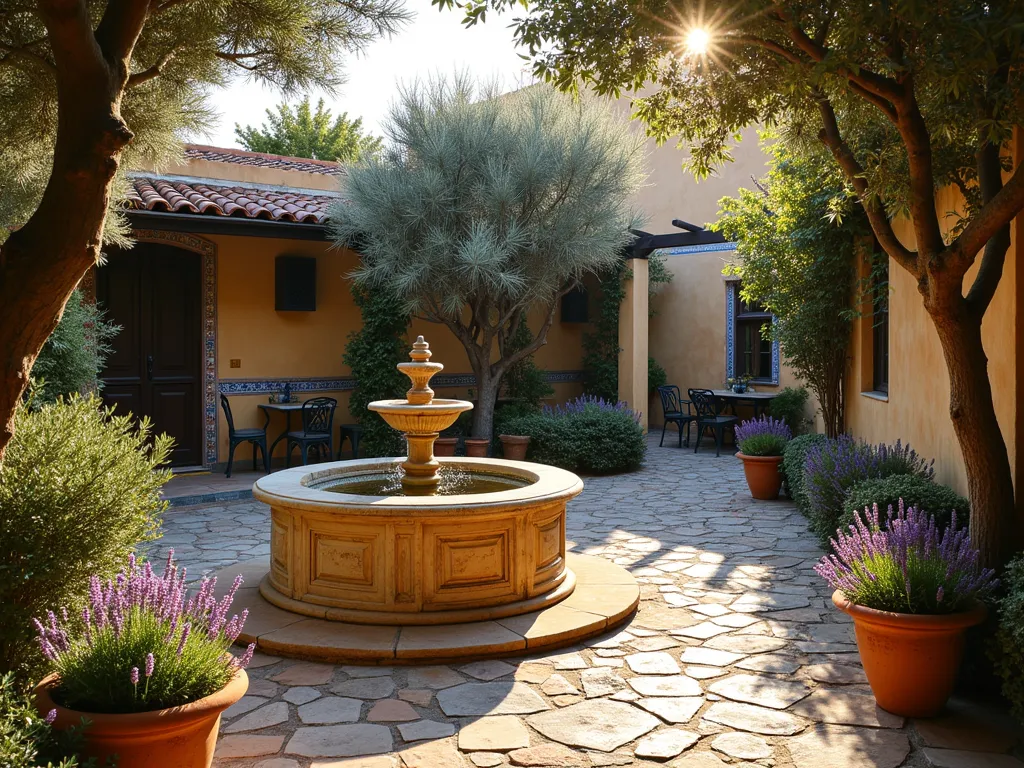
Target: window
{"points": [[880, 328], [752, 351]]}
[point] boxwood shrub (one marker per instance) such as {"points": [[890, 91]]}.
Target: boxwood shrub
{"points": [[793, 459], [588, 435], [1008, 648], [916, 491]]}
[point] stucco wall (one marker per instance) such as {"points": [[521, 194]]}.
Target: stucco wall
{"points": [[917, 408], [290, 345]]}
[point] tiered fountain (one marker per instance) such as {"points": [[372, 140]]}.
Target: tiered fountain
{"points": [[398, 543]]}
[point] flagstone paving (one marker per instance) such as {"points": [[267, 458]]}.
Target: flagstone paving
{"points": [[735, 657]]}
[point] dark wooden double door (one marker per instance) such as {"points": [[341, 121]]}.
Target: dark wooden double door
{"points": [[153, 292]]}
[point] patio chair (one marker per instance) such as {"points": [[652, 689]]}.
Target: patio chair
{"points": [[672, 405], [708, 417], [255, 435], [317, 429]]}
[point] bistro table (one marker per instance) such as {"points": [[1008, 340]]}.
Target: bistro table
{"points": [[726, 398], [287, 409]]}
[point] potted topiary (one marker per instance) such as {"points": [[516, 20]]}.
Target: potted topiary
{"points": [[761, 443], [912, 593], [147, 665]]}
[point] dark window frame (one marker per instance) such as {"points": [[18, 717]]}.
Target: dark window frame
{"points": [[749, 315], [880, 329]]}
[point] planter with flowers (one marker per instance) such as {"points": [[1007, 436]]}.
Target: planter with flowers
{"points": [[912, 592], [761, 443], [147, 665]]}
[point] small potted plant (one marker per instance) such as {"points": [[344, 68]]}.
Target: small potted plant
{"points": [[761, 442], [738, 384], [912, 592], [147, 665]]}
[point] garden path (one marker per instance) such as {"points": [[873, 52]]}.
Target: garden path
{"points": [[735, 656]]}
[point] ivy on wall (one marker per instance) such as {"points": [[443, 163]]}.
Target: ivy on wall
{"points": [[601, 346], [372, 353]]}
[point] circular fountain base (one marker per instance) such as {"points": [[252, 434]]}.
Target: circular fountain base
{"points": [[605, 597]]}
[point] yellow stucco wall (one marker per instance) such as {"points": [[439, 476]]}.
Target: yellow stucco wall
{"points": [[290, 345], [917, 408]]}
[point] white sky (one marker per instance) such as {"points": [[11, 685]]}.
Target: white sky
{"points": [[434, 42]]}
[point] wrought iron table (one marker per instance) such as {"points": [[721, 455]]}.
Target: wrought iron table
{"points": [[287, 409], [726, 398]]}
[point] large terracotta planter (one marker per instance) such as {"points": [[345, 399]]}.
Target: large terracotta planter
{"points": [[763, 476], [513, 447], [178, 737], [911, 661], [477, 447], [445, 446]]}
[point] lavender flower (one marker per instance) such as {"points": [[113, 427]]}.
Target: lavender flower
{"points": [[51, 717], [141, 612], [907, 566], [764, 436], [583, 402]]}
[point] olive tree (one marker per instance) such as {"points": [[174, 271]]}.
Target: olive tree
{"points": [[87, 86], [797, 235], [909, 98], [485, 208]]}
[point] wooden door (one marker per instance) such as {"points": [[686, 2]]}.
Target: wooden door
{"points": [[153, 292]]}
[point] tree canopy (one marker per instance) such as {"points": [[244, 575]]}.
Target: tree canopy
{"points": [[304, 133], [796, 236], [486, 207], [908, 98]]}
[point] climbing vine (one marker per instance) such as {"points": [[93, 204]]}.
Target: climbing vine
{"points": [[372, 353], [601, 346]]}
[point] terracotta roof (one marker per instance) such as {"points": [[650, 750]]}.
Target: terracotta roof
{"points": [[261, 160], [246, 202]]}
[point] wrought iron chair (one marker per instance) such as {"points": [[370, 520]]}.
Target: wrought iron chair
{"points": [[708, 417], [672, 405], [352, 433], [255, 435], [317, 429]]}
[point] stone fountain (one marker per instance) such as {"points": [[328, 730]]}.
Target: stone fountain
{"points": [[462, 545]]}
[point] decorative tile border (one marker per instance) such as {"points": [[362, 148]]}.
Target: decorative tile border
{"points": [[684, 249], [208, 250], [346, 384], [731, 289]]}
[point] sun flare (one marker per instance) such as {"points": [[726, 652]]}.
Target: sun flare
{"points": [[697, 41]]}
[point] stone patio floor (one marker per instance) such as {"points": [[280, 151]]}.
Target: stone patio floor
{"points": [[736, 656]]}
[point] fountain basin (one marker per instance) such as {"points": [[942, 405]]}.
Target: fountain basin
{"points": [[407, 560]]}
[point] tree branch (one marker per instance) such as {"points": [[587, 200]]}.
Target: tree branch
{"points": [[990, 183], [876, 214], [154, 71], [918, 144], [119, 29], [539, 341]]}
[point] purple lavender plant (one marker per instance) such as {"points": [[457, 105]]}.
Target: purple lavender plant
{"points": [[584, 402], [763, 436], [141, 620], [907, 566]]}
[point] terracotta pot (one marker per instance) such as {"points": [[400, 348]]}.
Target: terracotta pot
{"points": [[911, 661], [477, 446], [164, 738], [514, 446], [445, 446], [763, 476]]}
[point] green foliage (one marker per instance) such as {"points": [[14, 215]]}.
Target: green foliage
{"points": [[763, 445], [793, 459], [601, 344], [186, 51], [486, 208], [26, 741], [95, 675], [79, 489], [1007, 650], [305, 133], [72, 358], [372, 353], [656, 376], [915, 491], [796, 238], [523, 380], [593, 440], [790, 406]]}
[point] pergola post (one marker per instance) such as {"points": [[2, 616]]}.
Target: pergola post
{"points": [[633, 353]]}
